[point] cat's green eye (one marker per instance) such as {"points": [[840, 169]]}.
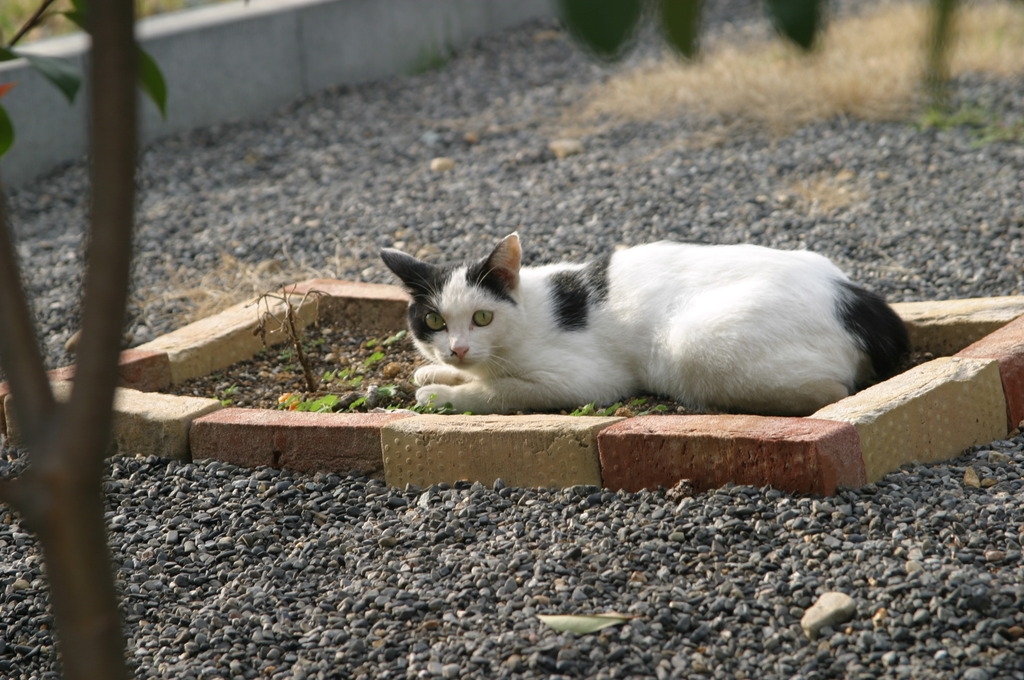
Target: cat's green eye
{"points": [[434, 321], [482, 317]]}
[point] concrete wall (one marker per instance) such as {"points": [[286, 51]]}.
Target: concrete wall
{"points": [[237, 60]]}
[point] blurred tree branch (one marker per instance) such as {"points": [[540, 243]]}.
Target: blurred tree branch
{"points": [[59, 495], [936, 75]]}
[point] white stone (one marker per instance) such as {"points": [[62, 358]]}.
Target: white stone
{"points": [[832, 608], [442, 164], [565, 147]]}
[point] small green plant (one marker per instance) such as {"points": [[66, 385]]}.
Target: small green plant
{"points": [[634, 406], [344, 381], [432, 58], [373, 359], [343, 378], [297, 402], [432, 406], [592, 410], [227, 394], [984, 123], [397, 337], [331, 402]]}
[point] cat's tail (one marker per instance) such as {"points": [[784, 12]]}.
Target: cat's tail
{"points": [[879, 330]]}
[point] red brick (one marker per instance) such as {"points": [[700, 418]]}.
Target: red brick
{"points": [[5, 389], [372, 306], [1005, 345], [304, 442], [794, 454], [61, 374], [144, 370], [56, 375]]}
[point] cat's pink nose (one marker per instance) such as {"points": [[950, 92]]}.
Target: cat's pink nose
{"points": [[460, 351]]}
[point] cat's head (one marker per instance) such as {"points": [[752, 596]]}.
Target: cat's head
{"points": [[462, 315]]}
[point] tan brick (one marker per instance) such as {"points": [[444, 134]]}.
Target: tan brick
{"points": [[153, 424], [371, 306], [930, 413], [138, 370], [532, 451], [947, 326], [216, 342], [305, 442], [802, 455], [145, 423], [1006, 345]]}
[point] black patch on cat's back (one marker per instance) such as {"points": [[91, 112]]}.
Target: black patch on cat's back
{"points": [[881, 333], [574, 292]]}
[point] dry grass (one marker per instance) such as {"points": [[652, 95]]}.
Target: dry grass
{"points": [[190, 297], [827, 194], [869, 67]]}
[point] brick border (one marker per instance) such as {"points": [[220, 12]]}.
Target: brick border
{"points": [[930, 413], [798, 454]]}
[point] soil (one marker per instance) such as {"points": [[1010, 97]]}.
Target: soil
{"points": [[357, 372], [351, 366]]}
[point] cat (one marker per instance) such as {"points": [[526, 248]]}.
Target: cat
{"points": [[738, 328]]}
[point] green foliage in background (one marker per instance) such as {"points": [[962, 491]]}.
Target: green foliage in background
{"points": [[607, 28], [62, 73]]}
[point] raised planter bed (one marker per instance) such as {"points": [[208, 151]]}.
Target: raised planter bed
{"points": [[930, 413]]}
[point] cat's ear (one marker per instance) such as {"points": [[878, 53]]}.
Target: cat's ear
{"points": [[504, 261], [417, 275]]}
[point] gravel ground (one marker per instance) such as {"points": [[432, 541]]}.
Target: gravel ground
{"points": [[232, 573]]}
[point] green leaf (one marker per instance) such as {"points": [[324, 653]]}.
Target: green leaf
{"points": [[151, 80], [583, 624], [585, 410], [374, 358], [680, 22], [324, 404], [78, 18], [60, 72], [605, 26], [798, 20], [394, 338], [6, 131]]}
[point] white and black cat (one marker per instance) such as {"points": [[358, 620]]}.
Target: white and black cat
{"points": [[738, 328]]}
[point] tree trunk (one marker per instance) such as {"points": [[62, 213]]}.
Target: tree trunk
{"points": [[60, 494]]}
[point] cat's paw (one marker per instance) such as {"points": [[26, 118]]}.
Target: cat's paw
{"points": [[438, 397], [439, 374]]}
